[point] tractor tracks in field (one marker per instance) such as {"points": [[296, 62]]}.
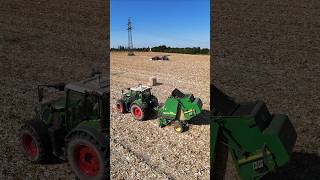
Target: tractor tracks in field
{"points": [[142, 159]]}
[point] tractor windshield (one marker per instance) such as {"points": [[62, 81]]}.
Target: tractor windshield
{"points": [[147, 93], [82, 107], [74, 98]]}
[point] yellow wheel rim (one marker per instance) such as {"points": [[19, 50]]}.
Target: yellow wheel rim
{"points": [[178, 129]]}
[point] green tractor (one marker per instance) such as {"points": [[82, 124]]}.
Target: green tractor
{"points": [[258, 141], [178, 109], [137, 100], [71, 124]]}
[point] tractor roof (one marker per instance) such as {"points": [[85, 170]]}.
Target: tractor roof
{"points": [[140, 88], [98, 84]]}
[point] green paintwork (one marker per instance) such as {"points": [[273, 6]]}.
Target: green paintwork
{"points": [[170, 108], [93, 123], [169, 112], [255, 151]]}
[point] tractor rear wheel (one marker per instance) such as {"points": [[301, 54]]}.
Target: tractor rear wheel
{"points": [[138, 112], [120, 106], [34, 139], [87, 157], [179, 126]]}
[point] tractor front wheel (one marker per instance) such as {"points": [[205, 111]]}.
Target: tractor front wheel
{"points": [[34, 139], [87, 157], [138, 112]]}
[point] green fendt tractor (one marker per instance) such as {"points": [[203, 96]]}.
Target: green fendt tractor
{"points": [[259, 142], [137, 100], [178, 109], [71, 124]]}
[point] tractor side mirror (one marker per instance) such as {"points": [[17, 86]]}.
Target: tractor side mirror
{"points": [[60, 86], [40, 93]]}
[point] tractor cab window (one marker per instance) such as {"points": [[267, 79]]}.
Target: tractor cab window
{"points": [[134, 94], [82, 107], [74, 98], [92, 103], [147, 92]]}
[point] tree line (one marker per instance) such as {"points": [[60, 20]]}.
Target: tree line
{"points": [[187, 50], [167, 49], [123, 48]]}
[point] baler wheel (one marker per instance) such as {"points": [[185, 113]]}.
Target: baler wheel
{"points": [[87, 157], [179, 127], [138, 112], [120, 107], [34, 139]]}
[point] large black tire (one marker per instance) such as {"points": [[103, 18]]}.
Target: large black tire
{"points": [[120, 107], [34, 140], [87, 157], [138, 112]]}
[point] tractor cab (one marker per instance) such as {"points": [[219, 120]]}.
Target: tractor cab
{"points": [[71, 124], [86, 101], [71, 103], [141, 91]]}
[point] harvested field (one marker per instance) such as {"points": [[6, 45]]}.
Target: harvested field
{"points": [[42, 42], [270, 50], [142, 150]]}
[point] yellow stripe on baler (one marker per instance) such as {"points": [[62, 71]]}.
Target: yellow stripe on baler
{"points": [[252, 158]]}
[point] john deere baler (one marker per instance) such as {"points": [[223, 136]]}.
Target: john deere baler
{"points": [[259, 142], [178, 109]]}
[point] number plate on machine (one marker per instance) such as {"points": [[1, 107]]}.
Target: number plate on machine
{"points": [[257, 164]]}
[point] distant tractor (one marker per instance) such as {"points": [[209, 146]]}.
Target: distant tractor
{"points": [[137, 100], [164, 58], [72, 126], [178, 109]]}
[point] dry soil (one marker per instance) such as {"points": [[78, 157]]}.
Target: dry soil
{"points": [[143, 150]]}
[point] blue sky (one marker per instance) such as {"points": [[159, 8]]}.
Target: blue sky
{"points": [[175, 23]]}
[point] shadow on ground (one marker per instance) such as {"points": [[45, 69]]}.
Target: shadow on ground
{"points": [[53, 160], [158, 84], [201, 119], [301, 166], [153, 115]]}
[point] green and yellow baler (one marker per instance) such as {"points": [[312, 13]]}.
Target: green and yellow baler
{"points": [[258, 141], [178, 109]]}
